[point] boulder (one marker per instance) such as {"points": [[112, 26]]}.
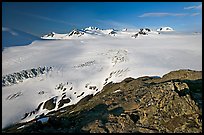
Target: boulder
{"points": [[50, 104], [63, 101], [143, 105]]}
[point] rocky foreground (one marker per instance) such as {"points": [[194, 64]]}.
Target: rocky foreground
{"points": [[171, 104]]}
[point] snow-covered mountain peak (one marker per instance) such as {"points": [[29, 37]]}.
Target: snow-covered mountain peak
{"points": [[92, 32], [76, 32], [166, 29], [51, 34], [49, 75], [109, 31], [124, 29], [145, 30], [91, 28]]}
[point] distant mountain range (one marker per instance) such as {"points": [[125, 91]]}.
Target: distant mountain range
{"points": [[14, 37], [91, 32], [49, 77]]}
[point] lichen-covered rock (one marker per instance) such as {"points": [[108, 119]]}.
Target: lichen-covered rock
{"points": [[183, 75], [142, 105]]}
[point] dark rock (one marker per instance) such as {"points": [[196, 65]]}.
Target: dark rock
{"points": [[135, 35], [127, 80], [63, 96], [183, 75], [63, 101], [117, 111], [144, 105], [112, 32], [147, 29], [25, 115], [80, 95], [76, 32], [20, 76], [38, 108], [41, 92], [85, 99], [134, 117], [50, 104]]}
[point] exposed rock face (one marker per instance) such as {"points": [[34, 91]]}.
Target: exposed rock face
{"points": [[112, 32], [142, 32], [76, 32], [50, 34], [50, 104], [165, 29], [63, 101], [15, 78], [91, 28], [135, 35], [142, 105]]}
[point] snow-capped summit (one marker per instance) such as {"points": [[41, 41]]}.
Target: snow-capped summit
{"points": [[91, 28], [73, 33], [108, 31], [93, 32], [125, 29], [51, 34], [143, 31], [76, 32], [165, 29], [47, 76], [146, 30]]}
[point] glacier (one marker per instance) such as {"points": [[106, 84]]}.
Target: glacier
{"points": [[83, 65]]}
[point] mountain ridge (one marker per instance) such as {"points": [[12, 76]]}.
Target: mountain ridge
{"points": [[102, 32], [143, 105]]}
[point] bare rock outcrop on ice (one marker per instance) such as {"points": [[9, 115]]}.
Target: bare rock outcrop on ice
{"points": [[20, 76], [147, 104]]}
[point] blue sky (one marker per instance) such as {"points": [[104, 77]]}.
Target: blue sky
{"points": [[39, 18]]}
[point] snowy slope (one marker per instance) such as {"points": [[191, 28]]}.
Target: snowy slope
{"points": [[95, 32], [11, 37], [89, 32], [73, 34], [165, 29], [82, 66]]}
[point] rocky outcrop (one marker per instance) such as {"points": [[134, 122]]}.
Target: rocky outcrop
{"points": [[142, 105], [135, 35], [76, 33], [50, 104], [165, 29], [142, 31], [15, 78], [50, 34], [112, 33], [91, 28]]}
